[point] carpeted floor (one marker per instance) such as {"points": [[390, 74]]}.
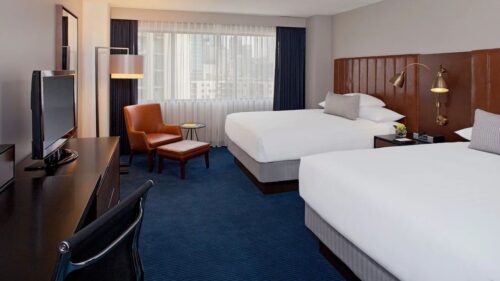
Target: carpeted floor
{"points": [[216, 225]]}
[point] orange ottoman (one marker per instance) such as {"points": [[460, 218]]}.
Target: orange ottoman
{"points": [[182, 151]]}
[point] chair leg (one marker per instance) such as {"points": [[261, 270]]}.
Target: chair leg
{"points": [[183, 169], [150, 161], [207, 164], [160, 164], [130, 157]]}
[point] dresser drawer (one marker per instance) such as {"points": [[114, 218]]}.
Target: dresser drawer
{"points": [[108, 193]]}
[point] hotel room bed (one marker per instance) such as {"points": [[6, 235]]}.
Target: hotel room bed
{"points": [[426, 212], [270, 144]]}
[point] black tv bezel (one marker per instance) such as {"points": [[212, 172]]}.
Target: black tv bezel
{"points": [[39, 152]]}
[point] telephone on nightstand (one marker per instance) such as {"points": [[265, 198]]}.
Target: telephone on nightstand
{"points": [[426, 138]]}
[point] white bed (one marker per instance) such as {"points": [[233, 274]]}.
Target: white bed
{"points": [[424, 212], [289, 135]]}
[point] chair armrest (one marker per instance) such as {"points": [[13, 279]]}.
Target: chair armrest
{"points": [[138, 140], [171, 129]]}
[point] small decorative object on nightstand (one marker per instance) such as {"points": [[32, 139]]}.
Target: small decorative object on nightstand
{"points": [[400, 130], [190, 127]]}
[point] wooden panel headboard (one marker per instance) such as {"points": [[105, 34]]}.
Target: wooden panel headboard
{"points": [[485, 80], [370, 75]]}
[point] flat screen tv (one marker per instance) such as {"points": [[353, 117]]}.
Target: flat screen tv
{"points": [[53, 116]]}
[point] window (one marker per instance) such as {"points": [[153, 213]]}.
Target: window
{"points": [[192, 61]]}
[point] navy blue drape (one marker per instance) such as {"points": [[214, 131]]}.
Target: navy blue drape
{"points": [[122, 92], [289, 85]]}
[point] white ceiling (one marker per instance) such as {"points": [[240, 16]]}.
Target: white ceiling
{"points": [[294, 8]]}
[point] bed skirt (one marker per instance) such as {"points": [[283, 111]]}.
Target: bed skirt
{"points": [[266, 172], [364, 267]]}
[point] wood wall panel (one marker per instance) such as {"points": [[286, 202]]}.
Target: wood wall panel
{"points": [[355, 76], [370, 75], [456, 104], [363, 75], [379, 77], [473, 79], [371, 84], [485, 80], [389, 72]]}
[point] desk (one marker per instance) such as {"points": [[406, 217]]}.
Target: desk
{"points": [[41, 210]]}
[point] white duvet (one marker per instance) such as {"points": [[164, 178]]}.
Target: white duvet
{"points": [[288, 135], [425, 212]]}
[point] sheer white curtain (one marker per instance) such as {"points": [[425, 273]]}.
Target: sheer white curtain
{"points": [[202, 72]]}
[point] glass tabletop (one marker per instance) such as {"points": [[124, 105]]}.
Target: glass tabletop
{"points": [[192, 125]]}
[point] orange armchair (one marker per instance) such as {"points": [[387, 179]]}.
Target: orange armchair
{"points": [[146, 130]]}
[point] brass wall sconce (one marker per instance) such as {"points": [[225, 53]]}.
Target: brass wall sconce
{"points": [[438, 87]]}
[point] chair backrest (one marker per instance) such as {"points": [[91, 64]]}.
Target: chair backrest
{"points": [[107, 248], [143, 117]]}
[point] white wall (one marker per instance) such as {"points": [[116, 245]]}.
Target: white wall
{"points": [[318, 59], [27, 36], [217, 18], [95, 33], [417, 26]]}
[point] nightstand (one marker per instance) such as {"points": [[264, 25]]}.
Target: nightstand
{"points": [[390, 140]]}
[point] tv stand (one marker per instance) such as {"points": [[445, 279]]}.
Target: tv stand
{"points": [[58, 158], [39, 209]]}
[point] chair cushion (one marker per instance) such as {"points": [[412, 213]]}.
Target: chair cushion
{"points": [[182, 148], [155, 140]]}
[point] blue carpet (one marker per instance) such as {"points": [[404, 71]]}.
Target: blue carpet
{"points": [[216, 225]]}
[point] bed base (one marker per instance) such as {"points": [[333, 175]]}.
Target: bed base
{"points": [[348, 259], [339, 265], [272, 177], [269, 187]]}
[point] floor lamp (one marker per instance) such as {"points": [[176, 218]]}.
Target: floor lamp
{"points": [[120, 67]]}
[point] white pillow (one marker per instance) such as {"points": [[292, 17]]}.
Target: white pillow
{"points": [[367, 100], [379, 114], [322, 104], [465, 133]]}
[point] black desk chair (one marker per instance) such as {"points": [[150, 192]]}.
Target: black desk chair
{"points": [[107, 248]]}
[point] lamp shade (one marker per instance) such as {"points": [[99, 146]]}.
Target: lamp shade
{"points": [[439, 84], [399, 79], [126, 66]]}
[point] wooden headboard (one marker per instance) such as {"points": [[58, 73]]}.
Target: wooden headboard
{"points": [[485, 80], [473, 79], [371, 75]]}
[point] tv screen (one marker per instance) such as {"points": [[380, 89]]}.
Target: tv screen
{"points": [[53, 110], [58, 108]]}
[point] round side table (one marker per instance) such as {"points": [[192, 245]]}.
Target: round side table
{"points": [[190, 128]]}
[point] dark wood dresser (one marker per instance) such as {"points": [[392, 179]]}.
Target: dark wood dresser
{"points": [[40, 210]]}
